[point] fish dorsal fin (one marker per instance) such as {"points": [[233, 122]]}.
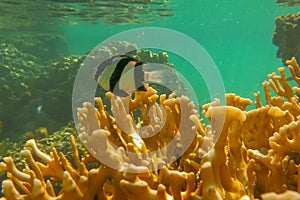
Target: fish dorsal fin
{"points": [[101, 68]]}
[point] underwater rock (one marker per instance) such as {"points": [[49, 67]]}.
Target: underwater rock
{"points": [[29, 91], [286, 36], [18, 74], [32, 92], [44, 46], [25, 86]]}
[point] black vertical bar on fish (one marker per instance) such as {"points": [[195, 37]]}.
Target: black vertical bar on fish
{"points": [[116, 75]]}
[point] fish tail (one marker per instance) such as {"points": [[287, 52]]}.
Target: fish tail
{"points": [[154, 77], [159, 74], [139, 76]]}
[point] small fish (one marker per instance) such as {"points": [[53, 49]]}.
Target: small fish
{"points": [[123, 74], [39, 109]]}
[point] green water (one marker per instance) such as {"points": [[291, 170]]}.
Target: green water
{"points": [[236, 34], [41, 44]]}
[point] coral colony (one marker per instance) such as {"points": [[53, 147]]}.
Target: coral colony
{"points": [[255, 156]]}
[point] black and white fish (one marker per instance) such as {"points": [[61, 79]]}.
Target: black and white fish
{"points": [[123, 75]]}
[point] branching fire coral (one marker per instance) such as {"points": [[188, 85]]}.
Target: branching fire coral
{"points": [[157, 147]]}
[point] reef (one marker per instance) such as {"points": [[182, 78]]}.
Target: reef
{"points": [[286, 36], [42, 46], [35, 87], [46, 141], [255, 156], [26, 82]]}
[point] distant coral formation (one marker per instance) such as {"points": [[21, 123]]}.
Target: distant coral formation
{"points": [[255, 156], [286, 36], [43, 46], [32, 90], [27, 86]]}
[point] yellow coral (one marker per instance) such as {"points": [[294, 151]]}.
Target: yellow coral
{"points": [[156, 147]]}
